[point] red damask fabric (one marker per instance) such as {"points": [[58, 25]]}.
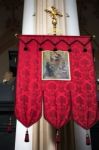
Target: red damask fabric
{"points": [[62, 100], [57, 103], [83, 84], [28, 108]]}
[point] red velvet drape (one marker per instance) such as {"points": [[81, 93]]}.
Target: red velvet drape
{"points": [[63, 100]]}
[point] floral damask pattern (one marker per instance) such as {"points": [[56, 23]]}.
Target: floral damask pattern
{"points": [[62, 100]]}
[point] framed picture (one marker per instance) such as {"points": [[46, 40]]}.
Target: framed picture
{"points": [[55, 65]]}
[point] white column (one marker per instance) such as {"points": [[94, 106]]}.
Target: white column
{"points": [[29, 18], [29, 27], [72, 28], [43, 27]]}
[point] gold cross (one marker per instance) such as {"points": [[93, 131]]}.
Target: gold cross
{"points": [[54, 13]]}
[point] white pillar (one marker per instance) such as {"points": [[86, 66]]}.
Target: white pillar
{"points": [[44, 129], [29, 27], [29, 18], [72, 28]]}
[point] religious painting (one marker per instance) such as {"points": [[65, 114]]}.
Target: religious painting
{"points": [[55, 65]]}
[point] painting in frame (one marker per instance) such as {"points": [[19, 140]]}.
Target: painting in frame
{"points": [[55, 65]]}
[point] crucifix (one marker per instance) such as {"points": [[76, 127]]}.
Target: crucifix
{"points": [[54, 13]]}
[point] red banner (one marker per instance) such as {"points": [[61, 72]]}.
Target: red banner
{"points": [[58, 72]]}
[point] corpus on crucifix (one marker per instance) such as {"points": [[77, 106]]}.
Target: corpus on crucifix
{"points": [[54, 13]]}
